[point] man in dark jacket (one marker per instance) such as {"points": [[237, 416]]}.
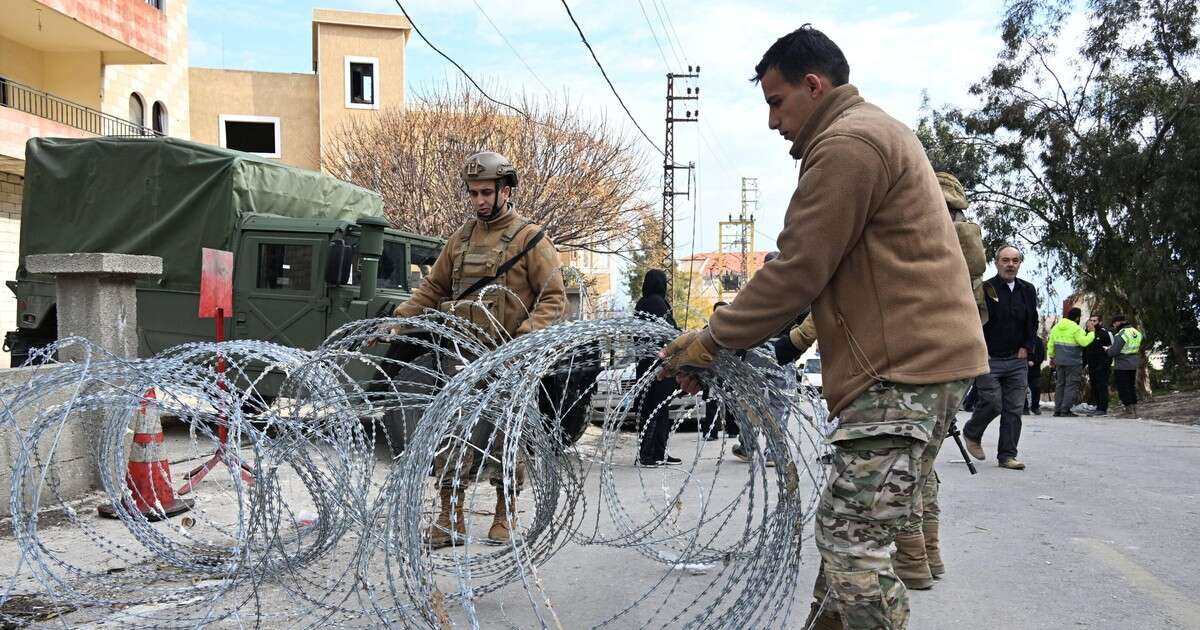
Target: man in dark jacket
{"points": [[1034, 404], [1011, 336], [1099, 364], [655, 410]]}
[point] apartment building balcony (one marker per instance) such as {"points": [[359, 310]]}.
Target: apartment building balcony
{"points": [[28, 113], [123, 31]]}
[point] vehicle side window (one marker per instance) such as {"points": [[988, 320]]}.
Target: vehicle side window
{"points": [[391, 266], [421, 259], [285, 267]]}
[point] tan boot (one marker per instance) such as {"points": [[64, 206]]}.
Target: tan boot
{"points": [[823, 618], [974, 448], [933, 553], [501, 529], [910, 563], [444, 533]]}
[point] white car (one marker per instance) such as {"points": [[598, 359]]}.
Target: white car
{"points": [[810, 372]]}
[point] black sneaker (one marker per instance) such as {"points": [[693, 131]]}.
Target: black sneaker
{"points": [[739, 453], [641, 464], [673, 460]]}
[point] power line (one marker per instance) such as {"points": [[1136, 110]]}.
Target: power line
{"points": [[510, 46], [671, 23], [662, 54], [605, 75], [456, 65], [666, 35]]}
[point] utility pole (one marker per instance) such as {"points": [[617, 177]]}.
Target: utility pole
{"points": [[736, 236], [691, 93]]}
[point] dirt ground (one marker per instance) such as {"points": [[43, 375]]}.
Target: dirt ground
{"points": [[1175, 407]]}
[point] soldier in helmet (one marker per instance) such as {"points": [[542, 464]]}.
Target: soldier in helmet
{"points": [[497, 246]]}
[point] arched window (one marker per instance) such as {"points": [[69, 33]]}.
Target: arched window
{"points": [[137, 110], [159, 117]]}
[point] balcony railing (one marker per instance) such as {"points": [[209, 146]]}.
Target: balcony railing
{"points": [[31, 101], [157, 4]]}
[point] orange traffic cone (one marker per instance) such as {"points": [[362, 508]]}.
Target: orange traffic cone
{"points": [[148, 474]]}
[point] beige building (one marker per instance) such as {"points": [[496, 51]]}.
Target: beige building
{"points": [[81, 68], [358, 69]]}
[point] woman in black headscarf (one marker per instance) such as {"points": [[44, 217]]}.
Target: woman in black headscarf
{"points": [[654, 412]]}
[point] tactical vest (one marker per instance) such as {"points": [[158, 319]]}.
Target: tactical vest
{"points": [[475, 262], [1133, 340]]}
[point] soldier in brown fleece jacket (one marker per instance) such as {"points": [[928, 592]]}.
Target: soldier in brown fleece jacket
{"points": [[868, 243]]}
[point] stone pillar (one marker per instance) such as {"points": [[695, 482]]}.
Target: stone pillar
{"points": [[97, 297]]}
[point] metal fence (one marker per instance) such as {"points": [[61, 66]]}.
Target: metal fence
{"points": [[38, 103]]}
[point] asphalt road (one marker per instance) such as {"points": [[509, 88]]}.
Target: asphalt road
{"points": [[1101, 530]]}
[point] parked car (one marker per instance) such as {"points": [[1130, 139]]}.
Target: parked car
{"points": [[810, 373]]}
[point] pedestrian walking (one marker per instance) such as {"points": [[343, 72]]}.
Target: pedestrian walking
{"points": [[655, 409], [1011, 335]]}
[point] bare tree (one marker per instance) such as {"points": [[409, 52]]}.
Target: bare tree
{"points": [[580, 177]]}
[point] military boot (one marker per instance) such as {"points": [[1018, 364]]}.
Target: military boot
{"points": [[910, 562], [444, 533], [501, 529], [823, 618], [933, 553]]}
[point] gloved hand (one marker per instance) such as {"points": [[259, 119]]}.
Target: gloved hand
{"points": [[689, 350], [785, 351]]}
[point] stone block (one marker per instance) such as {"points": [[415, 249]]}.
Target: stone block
{"points": [[94, 263], [65, 459]]}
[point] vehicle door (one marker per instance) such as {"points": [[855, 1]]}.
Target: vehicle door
{"points": [[280, 289]]}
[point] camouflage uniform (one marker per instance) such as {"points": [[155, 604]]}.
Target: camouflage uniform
{"points": [[970, 240], [884, 449]]}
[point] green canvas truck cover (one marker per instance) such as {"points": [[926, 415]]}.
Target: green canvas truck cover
{"points": [[165, 197]]}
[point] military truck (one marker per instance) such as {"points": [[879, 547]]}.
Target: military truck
{"points": [[310, 252]]}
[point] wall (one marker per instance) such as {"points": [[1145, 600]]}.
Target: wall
{"points": [[167, 83], [291, 97], [11, 187], [338, 34], [73, 470]]}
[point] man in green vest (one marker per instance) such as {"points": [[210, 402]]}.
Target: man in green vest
{"points": [[1065, 350], [1126, 348]]}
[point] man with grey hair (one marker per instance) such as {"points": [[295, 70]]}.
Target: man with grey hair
{"points": [[1010, 333]]}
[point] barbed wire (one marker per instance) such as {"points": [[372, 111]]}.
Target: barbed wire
{"points": [[348, 449]]}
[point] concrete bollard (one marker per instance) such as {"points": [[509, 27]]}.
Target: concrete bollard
{"points": [[97, 297]]}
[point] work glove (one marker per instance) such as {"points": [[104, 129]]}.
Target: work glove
{"points": [[685, 355], [785, 351]]}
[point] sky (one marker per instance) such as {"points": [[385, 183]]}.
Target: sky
{"points": [[897, 52]]}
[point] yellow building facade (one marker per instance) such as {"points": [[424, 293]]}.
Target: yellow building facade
{"points": [[358, 69]]}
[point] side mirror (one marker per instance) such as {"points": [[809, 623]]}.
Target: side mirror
{"points": [[338, 263]]}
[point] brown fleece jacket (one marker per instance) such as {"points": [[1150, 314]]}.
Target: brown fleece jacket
{"points": [[868, 242], [535, 279]]}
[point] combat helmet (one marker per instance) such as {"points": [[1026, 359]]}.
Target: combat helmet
{"points": [[489, 165], [952, 190]]}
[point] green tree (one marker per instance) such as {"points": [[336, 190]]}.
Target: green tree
{"points": [[646, 253], [1095, 161]]}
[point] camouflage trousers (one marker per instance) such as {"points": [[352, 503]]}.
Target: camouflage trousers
{"points": [[456, 462], [883, 454]]}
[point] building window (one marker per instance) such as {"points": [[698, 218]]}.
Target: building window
{"points": [[362, 82], [253, 134], [137, 110], [159, 117]]}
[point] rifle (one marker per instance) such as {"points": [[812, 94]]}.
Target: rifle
{"points": [[956, 434]]}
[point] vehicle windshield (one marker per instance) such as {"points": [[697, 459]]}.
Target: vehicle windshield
{"points": [[421, 259], [812, 366]]}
